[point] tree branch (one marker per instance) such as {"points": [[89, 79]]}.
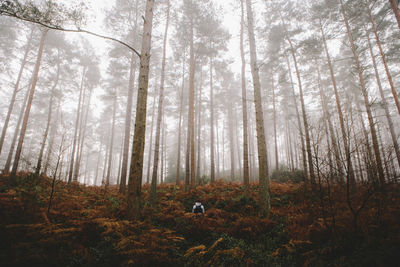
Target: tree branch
{"points": [[59, 28]]}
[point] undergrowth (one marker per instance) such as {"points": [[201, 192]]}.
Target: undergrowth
{"points": [[87, 226]]}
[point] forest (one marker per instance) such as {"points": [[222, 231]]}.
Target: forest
{"points": [[121, 118]]}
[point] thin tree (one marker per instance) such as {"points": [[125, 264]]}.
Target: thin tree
{"points": [[16, 88], [28, 107], [153, 196], [375, 144], [396, 11], [49, 114], [134, 197], [264, 197]]}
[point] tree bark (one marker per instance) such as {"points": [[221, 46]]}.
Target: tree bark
{"points": [[136, 169], [346, 143], [274, 118], [128, 115], [212, 148], [303, 149], [264, 197], [16, 133], [199, 127], [375, 144], [111, 152], [383, 57], [16, 89], [178, 163], [384, 103], [191, 105], [246, 172], [71, 166], [128, 119], [395, 7], [46, 132], [28, 107], [153, 196], [304, 113]]}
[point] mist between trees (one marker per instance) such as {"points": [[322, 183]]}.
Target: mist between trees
{"points": [[315, 99]]}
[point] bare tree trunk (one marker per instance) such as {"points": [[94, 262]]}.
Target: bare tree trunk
{"points": [[111, 152], [366, 101], [328, 118], [246, 172], [231, 137], [53, 131], [134, 198], [151, 141], [384, 103], [191, 106], [178, 163], [153, 196], [303, 149], [16, 89], [16, 133], [128, 119], [80, 137], [383, 57], [71, 166], [218, 155], [395, 7], [346, 143], [128, 115], [264, 197], [28, 108], [83, 135], [199, 128], [274, 118], [303, 109], [212, 148], [46, 132], [98, 164]]}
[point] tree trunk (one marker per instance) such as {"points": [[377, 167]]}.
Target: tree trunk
{"points": [[346, 143], [199, 127], [136, 169], [128, 119], [71, 166], [303, 149], [304, 113], [16, 133], [375, 144], [246, 172], [153, 195], [264, 197], [16, 89], [53, 132], [395, 7], [98, 165], [151, 141], [83, 135], [191, 106], [384, 103], [52, 92], [111, 152], [178, 163], [128, 115], [212, 148], [231, 138], [274, 117], [328, 118], [383, 57], [28, 107]]}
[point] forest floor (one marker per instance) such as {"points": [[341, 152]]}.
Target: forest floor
{"points": [[87, 226]]}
